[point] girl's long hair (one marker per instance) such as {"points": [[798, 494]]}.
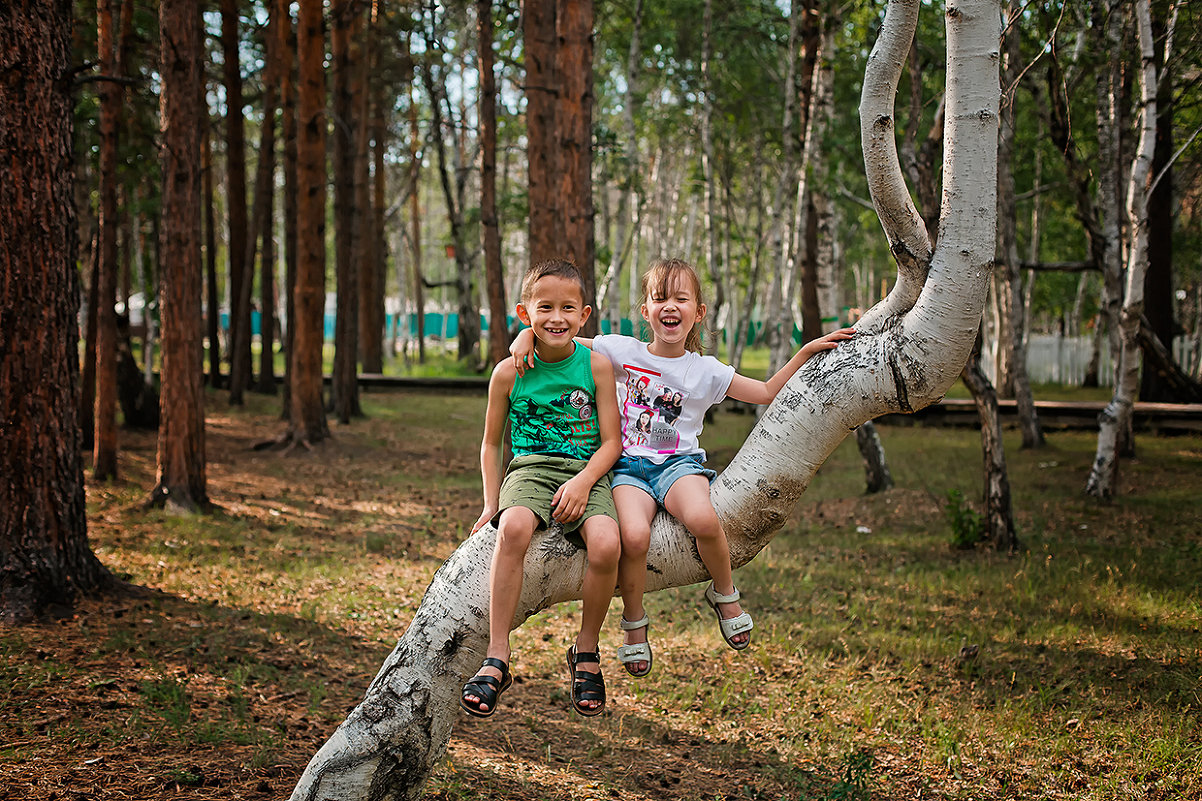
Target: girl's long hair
{"points": [[661, 277]]}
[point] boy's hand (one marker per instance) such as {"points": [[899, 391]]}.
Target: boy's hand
{"points": [[485, 516], [827, 342], [570, 499], [522, 350]]}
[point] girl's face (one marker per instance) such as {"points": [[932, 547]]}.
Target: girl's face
{"points": [[673, 316]]}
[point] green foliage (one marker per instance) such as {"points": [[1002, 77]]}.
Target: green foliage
{"points": [[967, 525]]}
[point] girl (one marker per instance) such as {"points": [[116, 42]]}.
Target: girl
{"points": [[664, 469]]}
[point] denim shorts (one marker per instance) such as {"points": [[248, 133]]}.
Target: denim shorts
{"points": [[656, 479]]}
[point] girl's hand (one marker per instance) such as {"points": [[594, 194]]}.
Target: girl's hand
{"points": [[828, 342], [485, 516], [570, 500], [522, 350]]}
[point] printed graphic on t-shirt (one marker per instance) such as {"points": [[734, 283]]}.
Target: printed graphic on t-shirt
{"points": [[650, 411], [567, 426]]}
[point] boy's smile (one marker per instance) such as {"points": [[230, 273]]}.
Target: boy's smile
{"points": [[555, 311]]}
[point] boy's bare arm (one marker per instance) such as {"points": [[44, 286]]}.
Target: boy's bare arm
{"points": [[750, 390], [571, 499], [522, 349], [492, 443]]}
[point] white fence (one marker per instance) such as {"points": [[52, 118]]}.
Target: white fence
{"points": [[1055, 359]]}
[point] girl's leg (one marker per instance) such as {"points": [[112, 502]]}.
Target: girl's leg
{"points": [[602, 542], [688, 501], [514, 529], [636, 510]]}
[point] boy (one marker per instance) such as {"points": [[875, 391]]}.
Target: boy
{"points": [[564, 427]]}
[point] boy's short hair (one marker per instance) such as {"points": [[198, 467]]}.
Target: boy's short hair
{"points": [[559, 268]]}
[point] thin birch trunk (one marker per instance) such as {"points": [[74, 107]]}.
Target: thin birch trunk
{"points": [[1116, 417]]}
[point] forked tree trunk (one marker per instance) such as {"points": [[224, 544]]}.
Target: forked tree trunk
{"points": [[181, 481], [45, 559], [389, 743], [1116, 417]]}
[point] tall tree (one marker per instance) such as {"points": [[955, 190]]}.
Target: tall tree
{"points": [[376, 102], [104, 440], [545, 220], [181, 482], [212, 299], [1116, 417], [235, 173], [307, 421], [388, 745], [45, 560], [494, 273], [264, 201], [345, 19], [288, 129], [574, 121]]}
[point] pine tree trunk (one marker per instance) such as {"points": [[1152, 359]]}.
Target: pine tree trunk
{"points": [[45, 560], [372, 277], [574, 119], [104, 438], [264, 208], [391, 741], [307, 423], [213, 300], [546, 218], [494, 273], [344, 380], [235, 143], [363, 260], [288, 127], [181, 483]]}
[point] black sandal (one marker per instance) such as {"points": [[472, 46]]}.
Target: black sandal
{"points": [[487, 688], [586, 686]]}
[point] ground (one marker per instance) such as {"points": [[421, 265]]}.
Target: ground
{"points": [[886, 664]]}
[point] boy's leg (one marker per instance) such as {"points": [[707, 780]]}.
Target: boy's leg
{"points": [[636, 510], [602, 543], [514, 530], [689, 502]]}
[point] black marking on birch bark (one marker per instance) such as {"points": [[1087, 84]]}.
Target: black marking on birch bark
{"points": [[882, 123], [899, 381], [452, 645]]}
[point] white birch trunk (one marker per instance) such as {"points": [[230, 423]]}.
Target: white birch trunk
{"points": [[388, 745], [1116, 417]]}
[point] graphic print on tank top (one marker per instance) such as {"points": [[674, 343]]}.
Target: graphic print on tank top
{"points": [[567, 427], [650, 411]]}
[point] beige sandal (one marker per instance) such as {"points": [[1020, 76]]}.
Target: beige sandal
{"points": [[729, 626], [638, 652]]}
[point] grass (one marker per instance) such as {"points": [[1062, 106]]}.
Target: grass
{"points": [[887, 664]]}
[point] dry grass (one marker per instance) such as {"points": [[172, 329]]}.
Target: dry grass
{"points": [[265, 621]]}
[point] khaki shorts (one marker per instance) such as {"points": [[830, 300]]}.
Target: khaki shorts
{"points": [[532, 481]]}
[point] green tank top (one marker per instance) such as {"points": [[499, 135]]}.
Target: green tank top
{"points": [[553, 408]]}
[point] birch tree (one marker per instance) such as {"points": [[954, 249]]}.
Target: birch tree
{"points": [[909, 351], [1116, 417]]}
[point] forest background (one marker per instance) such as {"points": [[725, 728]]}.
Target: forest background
{"points": [[732, 144]]}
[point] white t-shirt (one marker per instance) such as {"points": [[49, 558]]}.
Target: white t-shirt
{"points": [[662, 400]]}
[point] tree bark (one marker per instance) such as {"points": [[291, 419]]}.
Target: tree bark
{"points": [[494, 273], [344, 380], [307, 423], [574, 120], [1008, 276], [372, 276], [288, 101], [546, 218], [389, 743], [264, 202], [180, 483], [708, 176], [212, 299], [415, 216], [235, 173], [104, 438], [999, 513], [1116, 417], [45, 560]]}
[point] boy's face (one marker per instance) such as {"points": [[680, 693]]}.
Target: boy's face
{"points": [[555, 310]]}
